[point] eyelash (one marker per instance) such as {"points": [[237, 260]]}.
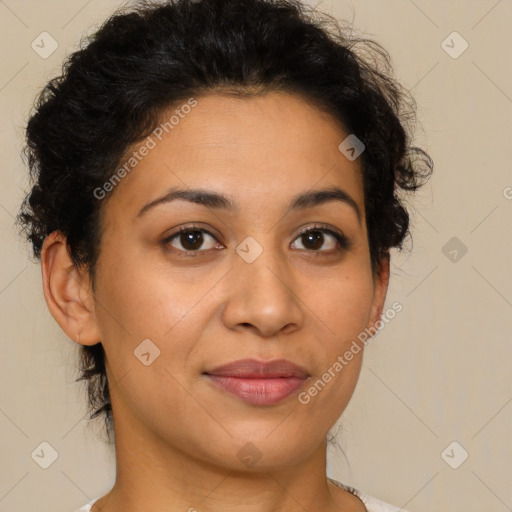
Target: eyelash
{"points": [[342, 241]]}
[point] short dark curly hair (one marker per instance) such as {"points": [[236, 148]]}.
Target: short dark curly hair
{"points": [[147, 58]]}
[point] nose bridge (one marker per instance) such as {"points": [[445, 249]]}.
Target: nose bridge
{"points": [[262, 287], [260, 257]]}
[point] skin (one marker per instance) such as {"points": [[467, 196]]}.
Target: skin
{"points": [[177, 435]]}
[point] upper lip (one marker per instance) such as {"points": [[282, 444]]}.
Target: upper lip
{"points": [[254, 369]]}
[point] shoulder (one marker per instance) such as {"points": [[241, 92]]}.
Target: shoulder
{"points": [[372, 504], [87, 507]]}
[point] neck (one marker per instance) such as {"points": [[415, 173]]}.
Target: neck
{"points": [[153, 475]]}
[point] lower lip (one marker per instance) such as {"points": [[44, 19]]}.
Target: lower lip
{"points": [[259, 391]]}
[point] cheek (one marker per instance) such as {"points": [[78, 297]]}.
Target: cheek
{"points": [[342, 305], [143, 313], [140, 301], [342, 309], [345, 311], [136, 297]]}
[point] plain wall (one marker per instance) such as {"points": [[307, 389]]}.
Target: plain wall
{"points": [[438, 373]]}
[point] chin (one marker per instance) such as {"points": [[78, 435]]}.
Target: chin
{"points": [[258, 451]]}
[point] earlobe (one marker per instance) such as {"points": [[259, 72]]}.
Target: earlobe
{"points": [[68, 291]]}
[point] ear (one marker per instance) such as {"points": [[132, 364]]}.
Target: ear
{"points": [[380, 289], [68, 291]]}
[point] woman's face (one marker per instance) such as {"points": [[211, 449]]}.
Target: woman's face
{"points": [[242, 283]]}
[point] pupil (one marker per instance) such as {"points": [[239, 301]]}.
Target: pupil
{"points": [[192, 239], [316, 238]]}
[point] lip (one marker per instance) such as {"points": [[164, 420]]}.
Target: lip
{"points": [[259, 382]]}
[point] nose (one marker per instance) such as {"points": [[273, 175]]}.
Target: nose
{"points": [[263, 296]]}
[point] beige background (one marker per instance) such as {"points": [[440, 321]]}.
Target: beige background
{"points": [[438, 373]]}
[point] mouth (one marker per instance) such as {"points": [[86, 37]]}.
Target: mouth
{"points": [[259, 382]]}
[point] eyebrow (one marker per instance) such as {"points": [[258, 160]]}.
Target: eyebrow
{"points": [[219, 201]]}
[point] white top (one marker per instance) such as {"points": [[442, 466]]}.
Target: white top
{"points": [[372, 504]]}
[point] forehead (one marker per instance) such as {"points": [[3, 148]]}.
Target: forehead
{"points": [[264, 147]]}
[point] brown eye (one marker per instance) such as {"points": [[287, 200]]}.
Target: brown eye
{"points": [[191, 239], [314, 239]]}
